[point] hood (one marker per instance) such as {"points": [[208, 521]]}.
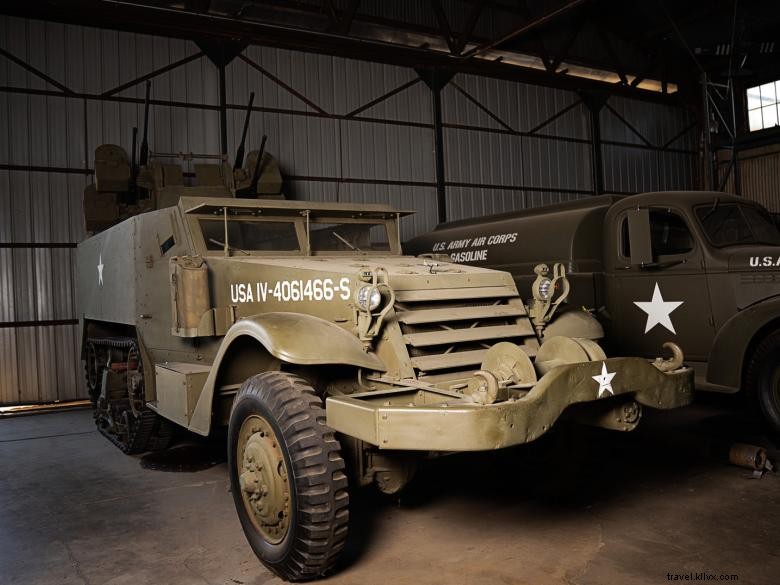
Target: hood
{"points": [[404, 272]]}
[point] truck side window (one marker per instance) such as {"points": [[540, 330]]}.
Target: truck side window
{"points": [[625, 243], [669, 233]]}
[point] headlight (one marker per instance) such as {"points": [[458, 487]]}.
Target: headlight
{"points": [[366, 303], [544, 288]]}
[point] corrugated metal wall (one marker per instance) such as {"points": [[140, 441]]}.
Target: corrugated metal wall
{"points": [[496, 161], [509, 145], [326, 151], [343, 130], [48, 133], [648, 147], [759, 173]]}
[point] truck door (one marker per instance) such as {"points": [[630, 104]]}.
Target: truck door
{"points": [[666, 299]]}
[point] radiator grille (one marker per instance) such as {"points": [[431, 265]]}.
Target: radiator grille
{"points": [[450, 329]]}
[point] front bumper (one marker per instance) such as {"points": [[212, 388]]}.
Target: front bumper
{"points": [[429, 419]]}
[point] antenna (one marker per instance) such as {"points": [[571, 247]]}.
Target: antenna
{"points": [[240, 152], [144, 157]]}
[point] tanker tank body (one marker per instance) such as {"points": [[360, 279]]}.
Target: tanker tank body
{"points": [[517, 241]]}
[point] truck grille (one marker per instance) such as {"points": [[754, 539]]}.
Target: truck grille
{"points": [[451, 329]]}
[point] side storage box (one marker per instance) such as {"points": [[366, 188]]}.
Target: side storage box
{"points": [[178, 388]]}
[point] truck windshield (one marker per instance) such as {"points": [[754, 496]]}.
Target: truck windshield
{"points": [[357, 237], [733, 224], [250, 235]]}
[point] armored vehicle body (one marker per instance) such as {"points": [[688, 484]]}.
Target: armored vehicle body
{"points": [[302, 328], [700, 268]]}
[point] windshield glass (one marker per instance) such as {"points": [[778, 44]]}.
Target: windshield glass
{"points": [[356, 237], [732, 224], [250, 235]]}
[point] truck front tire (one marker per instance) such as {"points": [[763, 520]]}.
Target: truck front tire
{"points": [[287, 476], [762, 381]]}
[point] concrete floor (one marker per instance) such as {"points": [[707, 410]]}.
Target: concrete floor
{"points": [[616, 508]]}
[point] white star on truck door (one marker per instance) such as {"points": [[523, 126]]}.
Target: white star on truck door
{"points": [[658, 311], [605, 381], [100, 270]]}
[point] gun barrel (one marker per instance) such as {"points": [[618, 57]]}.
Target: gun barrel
{"points": [[258, 164], [239, 161], [144, 156], [133, 162]]}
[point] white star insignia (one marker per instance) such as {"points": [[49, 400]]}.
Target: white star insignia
{"points": [[605, 381], [100, 270], [658, 311]]}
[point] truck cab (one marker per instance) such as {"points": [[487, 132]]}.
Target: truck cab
{"points": [[705, 265]]}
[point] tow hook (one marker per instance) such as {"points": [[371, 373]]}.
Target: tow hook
{"points": [[674, 363]]}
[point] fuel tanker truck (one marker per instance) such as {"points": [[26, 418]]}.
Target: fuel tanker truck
{"points": [[699, 268]]}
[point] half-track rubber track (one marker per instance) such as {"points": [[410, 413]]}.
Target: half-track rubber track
{"points": [[138, 428]]}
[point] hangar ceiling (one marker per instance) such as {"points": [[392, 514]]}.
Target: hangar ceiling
{"points": [[651, 50]]}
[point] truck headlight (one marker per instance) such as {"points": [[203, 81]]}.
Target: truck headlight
{"points": [[545, 288], [368, 298]]}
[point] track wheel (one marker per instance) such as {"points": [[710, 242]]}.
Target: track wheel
{"points": [[287, 476], [762, 381]]}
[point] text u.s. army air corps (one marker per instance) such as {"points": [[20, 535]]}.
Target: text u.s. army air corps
{"points": [[317, 289], [483, 242]]}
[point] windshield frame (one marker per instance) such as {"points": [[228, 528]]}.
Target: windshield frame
{"points": [[299, 220], [740, 205]]}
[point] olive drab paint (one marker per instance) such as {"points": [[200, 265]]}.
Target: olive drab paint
{"points": [[717, 298], [185, 308]]}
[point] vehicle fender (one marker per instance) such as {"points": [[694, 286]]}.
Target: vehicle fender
{"points": [[733, 340], [575, 323], [291, 338]]}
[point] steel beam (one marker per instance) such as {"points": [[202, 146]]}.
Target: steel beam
{"points": [[223, 141], [37, 72], [153, 74], [595, 103], [526, 28], [37, 245], [444, 26], [479, 104], [468, 29], [436, 79], [555, 116], [628, 124], [281, 83], [46, 323], [191, 25], [383, 97], [345, 24]]}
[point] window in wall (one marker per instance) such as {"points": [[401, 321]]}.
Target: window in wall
{"points": [[762, 105]]}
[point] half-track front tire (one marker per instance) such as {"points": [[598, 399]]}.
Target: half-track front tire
{"points": [[287, 476], [762, 382]]}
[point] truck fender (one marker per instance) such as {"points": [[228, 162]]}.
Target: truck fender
{"points": [[289, 337], [575, 324], [734, 340]]}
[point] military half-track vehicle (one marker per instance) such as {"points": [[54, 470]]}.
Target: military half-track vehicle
{"points": [[699, 268], [302, 328]]}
